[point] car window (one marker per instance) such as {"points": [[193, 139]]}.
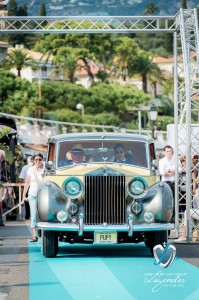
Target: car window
{"points": [[94, 151]]}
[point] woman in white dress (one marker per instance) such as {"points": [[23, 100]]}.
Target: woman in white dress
{"points": [[33, 180]]}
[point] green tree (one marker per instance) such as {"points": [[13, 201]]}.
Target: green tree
{"points": [[42, 12], [145, 67], [68, 115], [12, 8], [103, 118], [19, 59], [66, 62], [96, 47], [151, 9], [156, 77], [123, 61], [63, 94], [42, 9], [184, 4], [23, 10], [15, 93], [8, 84]]}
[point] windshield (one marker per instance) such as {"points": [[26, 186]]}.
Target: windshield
{"points": [[91, 151]]}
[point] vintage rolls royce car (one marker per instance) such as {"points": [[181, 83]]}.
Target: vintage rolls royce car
{"points": [[102, 188]]}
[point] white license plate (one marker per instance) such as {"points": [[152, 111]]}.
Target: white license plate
{"points": [[105, 238]]}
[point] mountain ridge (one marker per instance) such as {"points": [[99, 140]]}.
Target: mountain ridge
{"points": [[104, 7]]}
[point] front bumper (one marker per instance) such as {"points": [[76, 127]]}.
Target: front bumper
{"points": [[104, 228]]}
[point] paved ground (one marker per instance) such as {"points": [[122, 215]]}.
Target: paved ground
{"points": [[14, 259]]}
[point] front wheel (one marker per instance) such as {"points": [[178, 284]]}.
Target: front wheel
{"points": [[156, 238], [50, 243]]}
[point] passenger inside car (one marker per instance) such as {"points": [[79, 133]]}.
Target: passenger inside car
{"points": [[119, 152], [122, 155]]}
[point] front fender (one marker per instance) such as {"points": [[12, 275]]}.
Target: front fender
{"points": [[158, 200], [51, 199]]}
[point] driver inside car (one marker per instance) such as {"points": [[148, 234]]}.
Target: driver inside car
{"points": [[77, 154], [74, 156]]}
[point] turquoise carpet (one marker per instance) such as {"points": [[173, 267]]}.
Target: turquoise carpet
{"points": [[118, 272]]}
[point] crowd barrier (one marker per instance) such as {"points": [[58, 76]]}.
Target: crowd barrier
{"points": [[19, 204]]}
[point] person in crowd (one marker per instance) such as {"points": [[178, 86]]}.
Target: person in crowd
{"points": [[158, 131], [194, 210], [195, 173], [159, 155], [9, 196], [2, 180], [182, 186], [22, 178], [167, 171], [194, 213], [2, 165], [33, 180]]}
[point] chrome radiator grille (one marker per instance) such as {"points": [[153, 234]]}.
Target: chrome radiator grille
{"points": [[105, 200]]}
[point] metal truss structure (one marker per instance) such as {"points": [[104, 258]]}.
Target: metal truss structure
{"points": [[184, 27], [87, 24], [186, 101]]}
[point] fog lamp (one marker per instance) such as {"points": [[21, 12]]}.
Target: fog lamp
{"points": [[62, 216], [136, 208], [148, 216]]}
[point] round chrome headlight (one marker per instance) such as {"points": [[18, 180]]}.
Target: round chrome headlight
{"points": [[62, 216], [136, 208], [148, 216], [137, 187], [72, 187]]}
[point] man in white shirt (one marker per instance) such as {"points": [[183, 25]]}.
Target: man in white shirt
{"points": [[22, 177], [167, 170]]}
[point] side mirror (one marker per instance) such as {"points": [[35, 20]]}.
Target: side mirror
{"points": [[155, 164], [50, 166]]}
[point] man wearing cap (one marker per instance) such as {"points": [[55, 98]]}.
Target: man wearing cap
{"points": [[77, 155]]}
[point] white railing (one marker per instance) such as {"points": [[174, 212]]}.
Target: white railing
{"points": [[37, 131], [19, 186]]}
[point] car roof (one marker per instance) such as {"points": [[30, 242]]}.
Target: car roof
{"points": [[99, 136]]}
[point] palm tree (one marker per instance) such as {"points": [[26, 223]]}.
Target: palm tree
{"points": [[19, 59], [184, 4], [151, 9], [155, 78], [67, 65], [145, 67], [126, 51]]}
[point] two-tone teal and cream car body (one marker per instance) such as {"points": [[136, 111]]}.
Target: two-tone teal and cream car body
{"points": [[101, 200]]}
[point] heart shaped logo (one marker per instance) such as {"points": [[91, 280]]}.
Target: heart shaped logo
{"points": [[164, 256]]}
